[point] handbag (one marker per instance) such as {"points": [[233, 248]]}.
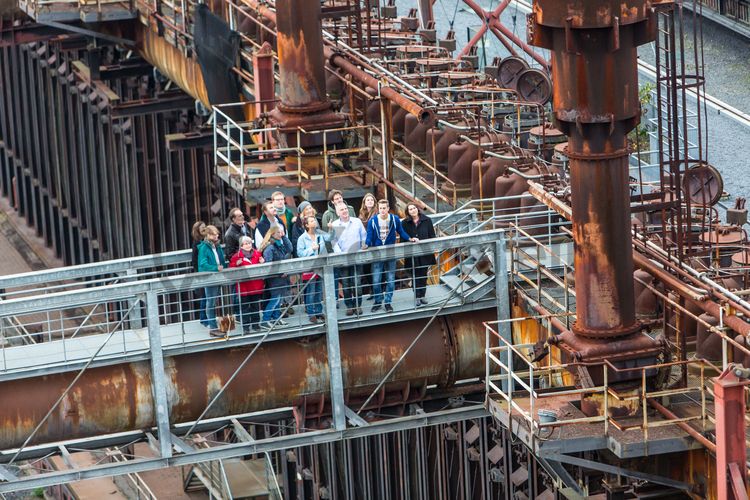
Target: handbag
{"points": [[226, 323]]}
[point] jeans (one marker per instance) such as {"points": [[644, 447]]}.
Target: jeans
{"points": [[249, 307], [313, 296], [349, 279], [201, 296], [378, 268], [272, 312], [211, 293]]}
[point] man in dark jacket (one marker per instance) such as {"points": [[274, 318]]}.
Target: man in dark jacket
{"points": [[267, 220], [382, 229], [237, 229], [329, 216]]}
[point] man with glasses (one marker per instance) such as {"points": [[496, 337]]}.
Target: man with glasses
{"points": [[237, 229]]}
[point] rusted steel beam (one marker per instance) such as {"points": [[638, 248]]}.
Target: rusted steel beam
{"points": [[165, 102], [731, 450], [285, 373], [594, 66]]}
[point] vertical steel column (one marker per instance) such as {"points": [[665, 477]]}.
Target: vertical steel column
{"points": [[731, 453], [334, 350], [158, 383], [594, 66], [302, 79]]}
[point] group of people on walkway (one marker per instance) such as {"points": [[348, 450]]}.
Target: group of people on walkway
{"points": [[279, 234]]}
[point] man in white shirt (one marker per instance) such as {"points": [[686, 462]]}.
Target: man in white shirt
{"points": [[268, 219], [348, 235]]}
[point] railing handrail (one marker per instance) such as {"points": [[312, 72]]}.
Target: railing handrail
{"points": [[515, 376], [107, 267], [168, 284]]}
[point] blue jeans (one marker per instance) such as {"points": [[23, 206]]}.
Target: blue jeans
{"points": [[211, 293], [378, 268], [314, 296], [202, 307], [272, 312]]}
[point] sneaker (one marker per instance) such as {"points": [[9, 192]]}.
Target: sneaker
{"points": [[376, 307], [422, 301], [359, 311], [350, 312], [313, 319], [266, 325], [388, 308], [281, 322], [215, 333], [321, 318]]}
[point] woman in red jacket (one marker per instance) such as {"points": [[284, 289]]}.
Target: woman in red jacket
{"points": [[249, 292]]}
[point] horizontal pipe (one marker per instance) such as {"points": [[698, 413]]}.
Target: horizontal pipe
{"points": [[338, 61], [118, 398]]}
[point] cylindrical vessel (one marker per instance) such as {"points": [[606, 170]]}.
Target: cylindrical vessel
{"points": [[299, 44], [119, 398]]}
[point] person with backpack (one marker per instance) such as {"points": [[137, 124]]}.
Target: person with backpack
{"points": [[382, 229]]}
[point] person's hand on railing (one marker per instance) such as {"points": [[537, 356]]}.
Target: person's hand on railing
{"points": [[414, 240]]}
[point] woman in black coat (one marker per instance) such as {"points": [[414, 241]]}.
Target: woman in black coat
{"points": [[417, 225]]}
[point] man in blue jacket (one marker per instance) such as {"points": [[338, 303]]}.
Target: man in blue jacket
{"points": [[382, 229]]}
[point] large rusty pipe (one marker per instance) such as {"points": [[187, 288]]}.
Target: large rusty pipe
{"points": [[594, 66], [118, 398], [341, 62], [299, 44]]}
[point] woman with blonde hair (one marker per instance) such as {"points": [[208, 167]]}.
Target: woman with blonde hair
{"points": [[275, 247], [197, 235], [211, 259]]}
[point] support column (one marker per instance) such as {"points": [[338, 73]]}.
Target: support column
{"points": [[731, 453], [158, 382], [338, 409]]}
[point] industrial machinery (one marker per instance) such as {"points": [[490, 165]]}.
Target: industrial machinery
{"points": [[586, 334]]}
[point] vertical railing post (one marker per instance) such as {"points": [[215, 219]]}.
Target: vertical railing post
{"points": [[136, 319], [158, 377], [334, 351]]}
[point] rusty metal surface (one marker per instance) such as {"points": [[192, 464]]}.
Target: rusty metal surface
{"points": [[118, 398], [185, 72], [299, 44], [595, 101]]}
